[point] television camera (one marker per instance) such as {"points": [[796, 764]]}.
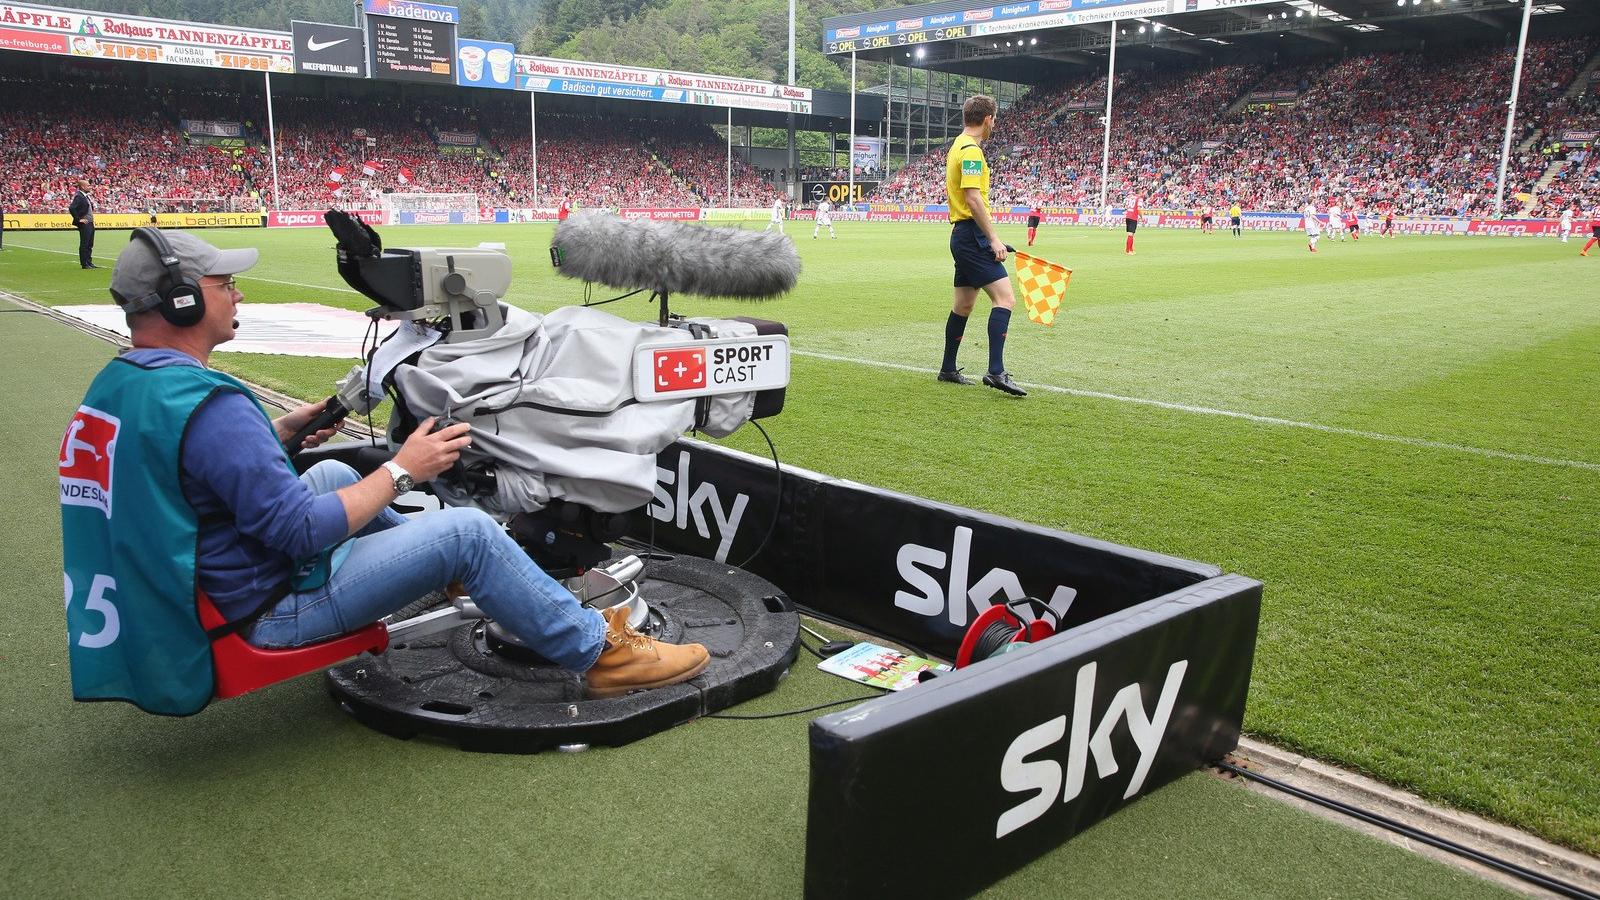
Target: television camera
{"points": [[569, 409]]}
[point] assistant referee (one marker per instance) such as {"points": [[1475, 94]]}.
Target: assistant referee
{"points": [[976, 248]]}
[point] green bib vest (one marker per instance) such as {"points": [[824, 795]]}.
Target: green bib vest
{"points": [[130, 539]]}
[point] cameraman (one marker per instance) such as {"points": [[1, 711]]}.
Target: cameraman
{"points": [[303, 559]]}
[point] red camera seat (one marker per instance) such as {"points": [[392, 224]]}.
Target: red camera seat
{"points": [[242, 668]]}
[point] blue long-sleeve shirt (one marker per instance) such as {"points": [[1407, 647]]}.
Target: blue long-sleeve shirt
{"points": [[233, 466]]}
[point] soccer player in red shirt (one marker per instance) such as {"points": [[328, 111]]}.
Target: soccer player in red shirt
{"points": [[1594, 230], [1131, 216], [1034, 215], [1352, 223], [564, 210], [1387, 210]]}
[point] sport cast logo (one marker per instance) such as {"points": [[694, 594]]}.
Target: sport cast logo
{"points": [[86, 456], [680, 370]]}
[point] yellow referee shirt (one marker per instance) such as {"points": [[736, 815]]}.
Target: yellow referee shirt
{"points": [[965, 167], [1234, 211]]}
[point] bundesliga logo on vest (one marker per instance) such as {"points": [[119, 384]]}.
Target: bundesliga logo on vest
{"points": [[87, 451]]}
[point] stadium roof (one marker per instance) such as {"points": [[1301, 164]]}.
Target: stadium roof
{"points": [[1036, 41]]}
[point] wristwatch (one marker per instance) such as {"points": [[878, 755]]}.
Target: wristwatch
{"points": [[403, 482]]}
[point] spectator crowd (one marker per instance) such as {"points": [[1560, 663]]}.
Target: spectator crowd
{"points": [[1420, 130]]}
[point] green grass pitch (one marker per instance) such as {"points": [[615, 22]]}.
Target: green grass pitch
{"points": [[1396, 436]]}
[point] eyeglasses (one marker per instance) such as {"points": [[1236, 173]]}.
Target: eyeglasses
{"points": [[228, 285]]}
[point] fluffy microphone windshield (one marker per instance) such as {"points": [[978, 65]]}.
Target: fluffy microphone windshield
{"points": [[674, 257]]}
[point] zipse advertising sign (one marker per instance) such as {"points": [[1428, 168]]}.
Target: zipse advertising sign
{"points": [[64, 32]]}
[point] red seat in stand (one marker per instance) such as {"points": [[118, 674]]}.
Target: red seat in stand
{"points": [[242, 668]]}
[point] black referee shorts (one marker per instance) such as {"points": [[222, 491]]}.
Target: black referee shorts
{"points": [[976, 266]]}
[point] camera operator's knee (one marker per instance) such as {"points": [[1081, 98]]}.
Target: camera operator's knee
{"points": [[475, 532], [328, 476]]}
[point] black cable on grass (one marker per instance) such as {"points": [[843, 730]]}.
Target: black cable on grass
{"points": [[851, 626], [777, 496], [1553, 885], [796, 712]]}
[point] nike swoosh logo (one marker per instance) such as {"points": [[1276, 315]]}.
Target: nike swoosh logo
{"points": [[313, 45]]}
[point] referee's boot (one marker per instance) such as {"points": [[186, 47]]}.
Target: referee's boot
{"points": [[1003, 382], [955, 377]]}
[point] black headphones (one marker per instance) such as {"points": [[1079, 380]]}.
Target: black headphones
{"points": [[181, 302]]}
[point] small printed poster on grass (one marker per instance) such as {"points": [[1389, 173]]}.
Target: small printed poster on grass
{"points": [[880, 667]]}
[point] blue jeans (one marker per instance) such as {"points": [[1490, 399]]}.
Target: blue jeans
{"points": [[395, 560]]}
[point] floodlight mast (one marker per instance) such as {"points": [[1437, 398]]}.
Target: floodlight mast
{"points": [[1511, 112], [1105, 150]]}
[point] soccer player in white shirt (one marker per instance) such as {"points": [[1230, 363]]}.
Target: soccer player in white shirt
{"points": [[824, 220], [1313, 225], [1335, 221], [1566, 224], [777, 216]]}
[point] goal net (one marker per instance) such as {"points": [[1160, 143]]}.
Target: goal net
{"points": [[431, 209]]}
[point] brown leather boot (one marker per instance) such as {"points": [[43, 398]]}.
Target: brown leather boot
{"points": [[633, 662]]}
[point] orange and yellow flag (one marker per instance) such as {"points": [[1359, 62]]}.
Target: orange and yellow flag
{"points": [[1043, 286]]}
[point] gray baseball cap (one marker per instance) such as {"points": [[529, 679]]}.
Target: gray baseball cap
{"points": [[140, 274]]}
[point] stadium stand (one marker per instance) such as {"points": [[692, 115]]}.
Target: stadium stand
{"points": [[1422, 130], [126, 141]]}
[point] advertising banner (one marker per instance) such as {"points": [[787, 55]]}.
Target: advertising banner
{"points": [[322, 49], [456, 138], [677, 214], [411, 49], [1518, 227], [312, 218], [410, 9], [564, 76], [875, 31], [485, 64], [907, 568], [210, 128], [437, 217], [867, 153], [1014, 755], [1579, 136], [737, 214], [1145, 680], [835, 192], [541, 214], [66, 32], [103, 221]]}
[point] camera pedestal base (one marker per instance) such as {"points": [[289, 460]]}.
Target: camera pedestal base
{"points": [[462, 686]]}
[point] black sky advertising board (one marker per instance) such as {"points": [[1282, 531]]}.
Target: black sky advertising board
{"points": [[322, 49], [411, 50]]}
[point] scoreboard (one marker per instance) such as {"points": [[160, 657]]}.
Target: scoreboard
{"points": [[411, 49], [899, 39]]}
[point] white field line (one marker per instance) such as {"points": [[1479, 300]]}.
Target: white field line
{"points": [[243, 277], [1248, 417], [1139, 401]]}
